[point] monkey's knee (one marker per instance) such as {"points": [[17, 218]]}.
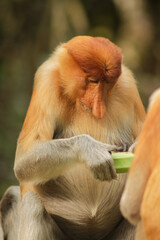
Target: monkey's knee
{"points": [[9, 211], [31, 218], [31, 205]]}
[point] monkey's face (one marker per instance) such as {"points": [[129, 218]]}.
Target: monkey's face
{"points": [[90, 68], [95, 96]]}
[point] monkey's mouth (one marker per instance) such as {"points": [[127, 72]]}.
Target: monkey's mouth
{"points": [[87, 109]]}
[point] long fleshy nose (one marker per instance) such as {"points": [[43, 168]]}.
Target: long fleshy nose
{"points": [[98, 108]]}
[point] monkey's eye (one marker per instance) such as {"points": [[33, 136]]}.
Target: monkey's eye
{"points": [[92, 80]]}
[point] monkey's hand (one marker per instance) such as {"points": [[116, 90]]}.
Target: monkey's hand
{"points": [[97, 157]]}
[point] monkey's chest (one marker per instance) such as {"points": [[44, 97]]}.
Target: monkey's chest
{"points": [[83, 207]]}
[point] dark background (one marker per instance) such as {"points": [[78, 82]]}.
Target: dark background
{"points": [[29, 32]]}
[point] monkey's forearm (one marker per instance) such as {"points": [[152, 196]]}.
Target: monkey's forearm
{"points": [[47, 160]]}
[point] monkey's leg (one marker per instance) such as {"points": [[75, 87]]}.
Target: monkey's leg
{"points": [[35, 222], [9, 211], [124, 231]]}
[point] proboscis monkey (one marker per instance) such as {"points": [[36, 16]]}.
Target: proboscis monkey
{"points": [[140, 202], [84, 104]]}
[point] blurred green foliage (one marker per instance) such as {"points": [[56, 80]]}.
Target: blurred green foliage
{"points": [[29, 32]]}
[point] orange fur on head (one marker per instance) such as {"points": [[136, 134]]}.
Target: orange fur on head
{"points": [[97, 57], [89, 68], [72, 77]]}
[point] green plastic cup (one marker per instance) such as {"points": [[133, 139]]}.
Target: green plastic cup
{"points": [[122, 161]]}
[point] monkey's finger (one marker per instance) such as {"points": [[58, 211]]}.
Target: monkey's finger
{"points": [[110, 167], [132, 147], [112, 171], [119, 148], [125, 147], [114, 147]]}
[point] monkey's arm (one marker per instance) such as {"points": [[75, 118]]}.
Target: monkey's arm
{"points": [[143, 161], [49, 159]]}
